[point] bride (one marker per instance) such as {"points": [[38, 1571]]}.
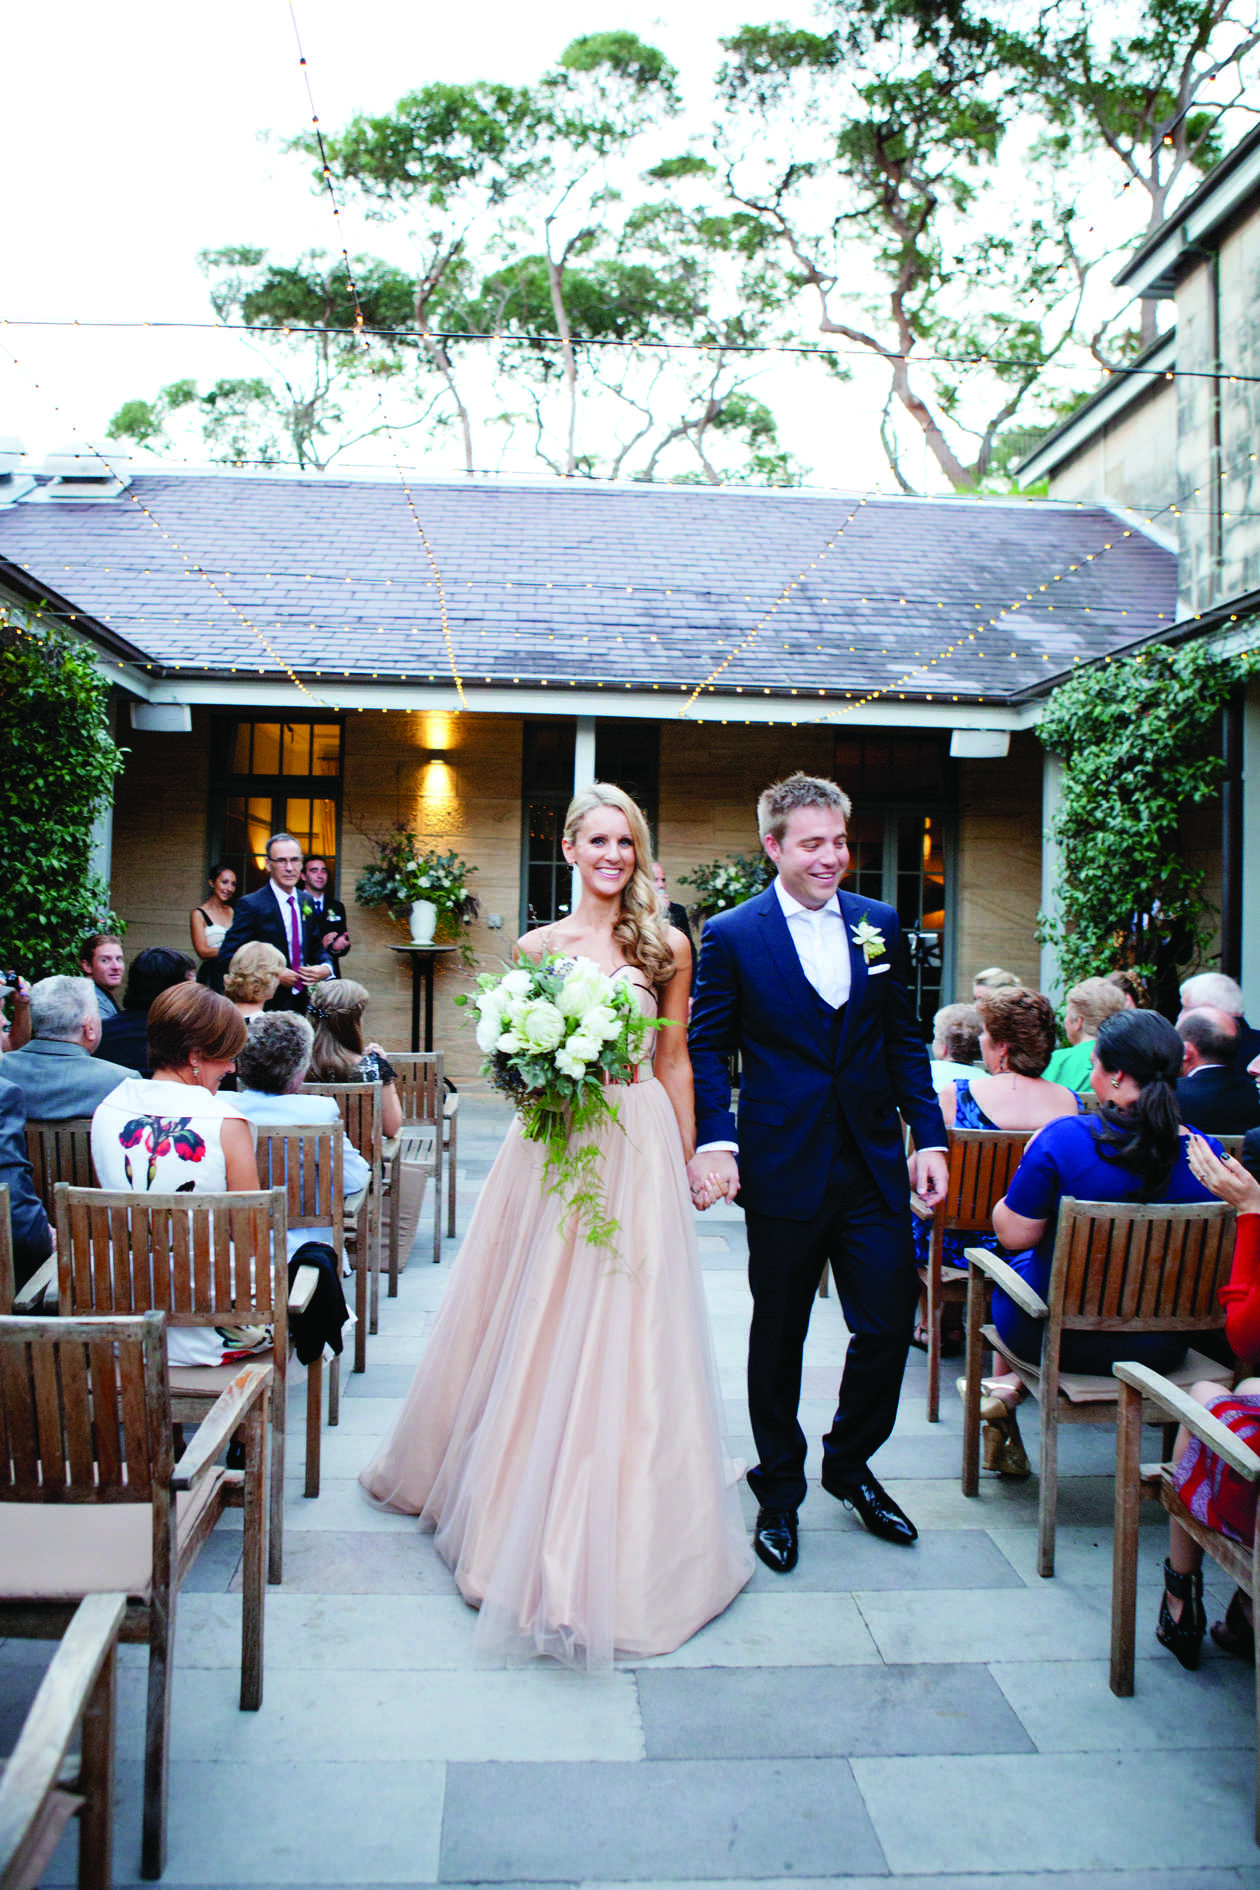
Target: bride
{"points": [[561, 1434]]}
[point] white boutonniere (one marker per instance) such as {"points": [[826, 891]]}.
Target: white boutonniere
{"points": [[870, 939]]}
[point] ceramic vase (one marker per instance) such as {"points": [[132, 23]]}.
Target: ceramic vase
{"points": [[423, 921]]}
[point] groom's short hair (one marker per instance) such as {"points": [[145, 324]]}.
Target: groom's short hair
{"points": [[779, 802]]}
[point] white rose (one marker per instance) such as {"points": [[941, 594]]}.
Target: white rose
{"points": [[569, 1065], [583, 1046], [601, 1021], [489, 1030], [515, 984], [582, 989], [509, 1042], [540, 1025]]}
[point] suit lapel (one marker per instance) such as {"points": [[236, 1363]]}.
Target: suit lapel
{"points": [[851, 913], [786, 960]]}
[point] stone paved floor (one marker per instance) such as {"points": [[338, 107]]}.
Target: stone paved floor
{"points": [[937, 1715]]}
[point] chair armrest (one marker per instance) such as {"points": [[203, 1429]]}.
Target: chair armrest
{"points": [[216, 1428], [352, 1204], [389, 1147], [302, 1291], [919, 1207], [27, 1298], [1196, 1417], [1009, 1281], [35, 1766]]}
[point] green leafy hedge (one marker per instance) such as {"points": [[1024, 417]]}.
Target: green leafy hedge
{"points": [[58, 771]]}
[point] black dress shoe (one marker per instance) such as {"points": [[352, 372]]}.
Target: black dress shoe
{"points": [[873, 1506], [774, 1539]]}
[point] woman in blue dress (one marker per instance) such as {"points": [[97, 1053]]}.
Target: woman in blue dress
{"points": [[1135, 1150], [1016, 1040]]}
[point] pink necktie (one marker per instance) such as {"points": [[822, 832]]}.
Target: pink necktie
{"points": [[295, 940]]}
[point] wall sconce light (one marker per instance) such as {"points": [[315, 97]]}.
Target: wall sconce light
{"points": [[434, 759]]}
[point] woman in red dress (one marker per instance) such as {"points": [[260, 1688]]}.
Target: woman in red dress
{"points": [[1211, 1491]]}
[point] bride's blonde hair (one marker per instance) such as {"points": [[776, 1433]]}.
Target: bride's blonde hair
{"points": [[639, 928]]}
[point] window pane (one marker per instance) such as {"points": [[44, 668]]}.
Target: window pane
{"points": [[326, 758], [239, 763], [259, 817], [295, 751], [266, 748]]}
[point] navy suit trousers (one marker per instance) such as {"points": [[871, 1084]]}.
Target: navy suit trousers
{"points": [[868, 1247]]}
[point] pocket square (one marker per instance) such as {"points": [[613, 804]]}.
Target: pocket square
{"points": [[874, 971]]}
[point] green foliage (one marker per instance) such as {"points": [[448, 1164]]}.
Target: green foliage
{"points": [[60, 764], [1140, 739], [402, 871], [721, 884]]}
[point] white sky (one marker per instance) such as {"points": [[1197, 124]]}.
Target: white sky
{"points": [[134, 138]]}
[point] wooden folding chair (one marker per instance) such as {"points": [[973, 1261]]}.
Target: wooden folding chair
{"points": [[426, 1126], [307, 1162], [1117, 1267], [95, 1502], [360, 1106], [981, 1163], [203, 1260], [57, 1151], [1141, 1391], [37, 1796]]}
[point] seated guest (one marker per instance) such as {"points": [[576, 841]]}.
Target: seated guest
{"points": [[340, 1054], [1009, 1093], [271, 1066], [209, 925], [101, 960], [173, 1133], [32, 1236], [1213, 1493], [1129, 988], [955, 1047], [1213, 987], [1214, 1094], [153, 971], [1087, 1005], [1135, 1149], [57, 1072], [253, 977], [992, 978]]}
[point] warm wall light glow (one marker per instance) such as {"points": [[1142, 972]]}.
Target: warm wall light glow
{"points": [[435, 729]]}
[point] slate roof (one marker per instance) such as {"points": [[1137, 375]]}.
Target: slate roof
{"points": [[654, 587]]}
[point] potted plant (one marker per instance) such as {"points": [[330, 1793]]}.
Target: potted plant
{"points": [[724, 883], [418, 884]]}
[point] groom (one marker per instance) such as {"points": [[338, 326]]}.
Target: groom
{"points": [[806, 983]]}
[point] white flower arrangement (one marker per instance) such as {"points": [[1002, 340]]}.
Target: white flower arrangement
{"points": [[554, 1034]]}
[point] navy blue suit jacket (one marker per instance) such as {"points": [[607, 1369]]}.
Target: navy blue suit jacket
{"points": [[32, 1236], [752, 996]]}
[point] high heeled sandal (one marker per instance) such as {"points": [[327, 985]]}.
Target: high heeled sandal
{"points": [[1235, 1634], [1002, 1446], [1183, 1638]]}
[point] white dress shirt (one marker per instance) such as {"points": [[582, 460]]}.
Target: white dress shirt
{"points": [[821, 945]]}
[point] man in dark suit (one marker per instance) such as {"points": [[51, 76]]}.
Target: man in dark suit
{"points": [[32, 1236], [1215, 989], [335, 932], [281, 916], [1214, 1094], [807, 983]]}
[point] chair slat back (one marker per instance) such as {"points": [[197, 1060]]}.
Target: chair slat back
{"points": [[421, 1084], [1146, 1268], [361, 1112], [981, 1163], [308, 1163], [205, 1260], [1232, 1145], [60, 1151], [84, 1410]]}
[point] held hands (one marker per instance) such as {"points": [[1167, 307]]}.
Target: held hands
{"points": [[1227, 1179], [929, 1175], [336, 941], [312, 974], [712, 1175]]}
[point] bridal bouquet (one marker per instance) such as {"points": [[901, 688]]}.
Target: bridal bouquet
{"points": [[553, 1033]]}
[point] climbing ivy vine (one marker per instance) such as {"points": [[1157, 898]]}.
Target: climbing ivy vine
{"points": [[1141, 740], [59, 766]]}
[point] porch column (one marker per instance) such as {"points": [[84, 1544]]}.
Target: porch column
{"points": [[1051, 864], [1249, 891], [583, 776]]}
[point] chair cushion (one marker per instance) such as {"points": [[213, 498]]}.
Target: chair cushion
{"points": [[63, 1551], [209, 1380], [1103, 1388]]}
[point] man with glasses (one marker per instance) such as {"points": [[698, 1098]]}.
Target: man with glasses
{"points": [[280, 914]]}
